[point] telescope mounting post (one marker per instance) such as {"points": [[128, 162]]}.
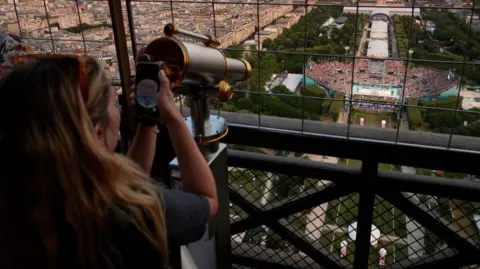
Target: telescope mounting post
{"points": [[206, 129], [212, 251]]}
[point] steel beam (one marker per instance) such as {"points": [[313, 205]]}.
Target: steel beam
{"points": [[462, 244], [280, 210], [295, 240], [127, 127], [365, 216], [293, 166]]}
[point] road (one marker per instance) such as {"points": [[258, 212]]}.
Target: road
{"points": [[362, 41], [343, 117], [404, 122]]}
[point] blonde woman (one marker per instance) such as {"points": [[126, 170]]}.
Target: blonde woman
{"points": [[68, 201]]}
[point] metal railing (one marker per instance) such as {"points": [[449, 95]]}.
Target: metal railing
{"points": [[293, 205]]}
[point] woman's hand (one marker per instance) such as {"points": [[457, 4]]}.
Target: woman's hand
{"points": [[168, 111]]}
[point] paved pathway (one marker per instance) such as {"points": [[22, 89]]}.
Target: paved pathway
{"points": [[362, 41]]}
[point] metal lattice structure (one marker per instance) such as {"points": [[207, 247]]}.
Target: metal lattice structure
{"points": [[287, 211], [325, 207]]}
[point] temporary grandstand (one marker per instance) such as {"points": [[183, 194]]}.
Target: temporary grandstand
{"points": [[376, 68]]}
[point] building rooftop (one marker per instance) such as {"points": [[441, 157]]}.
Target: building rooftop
{"points": [[377, 48], [292, 81], [341, 20], [379, 30]]}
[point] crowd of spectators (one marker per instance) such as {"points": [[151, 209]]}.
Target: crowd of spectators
{"points": [[418, 82]]}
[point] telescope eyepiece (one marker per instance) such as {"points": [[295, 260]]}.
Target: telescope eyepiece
{"points": [[145, 58]]}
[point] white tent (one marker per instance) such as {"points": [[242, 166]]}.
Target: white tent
{"points": [[375, 235]]}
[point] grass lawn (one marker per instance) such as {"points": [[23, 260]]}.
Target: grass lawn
{"points": [[343, 211], [350, 162], [311, 183], [373, 119], [358, 163]]}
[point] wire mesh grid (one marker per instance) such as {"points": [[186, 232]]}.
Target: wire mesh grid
{"points": [[302, 48], [73, 27], [264, 244], [271, 189], [39, 23], [402, 239], [333, 224], [237, 266], [460, 216], [331, 227], [267, 189], [416, 66]]}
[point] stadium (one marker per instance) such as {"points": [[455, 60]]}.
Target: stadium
{"points": [[379, 84]]}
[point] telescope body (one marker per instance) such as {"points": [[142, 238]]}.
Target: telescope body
{"points": [[199, 72], [196, 62]]}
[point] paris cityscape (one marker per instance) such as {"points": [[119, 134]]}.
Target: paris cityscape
{"points": [[364, 63]]}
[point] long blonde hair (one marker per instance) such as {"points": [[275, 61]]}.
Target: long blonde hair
{"points": [[67, 186]]}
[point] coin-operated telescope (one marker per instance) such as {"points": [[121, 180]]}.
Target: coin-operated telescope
{"points": [[200, 72]]}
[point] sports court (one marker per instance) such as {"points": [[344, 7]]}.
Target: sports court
{"points": [[373, 119]]}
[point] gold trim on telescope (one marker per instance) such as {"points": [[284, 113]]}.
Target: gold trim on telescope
{"points": [[186, 56], [226, 63], [212, 42], [214, 138], [225, 92], [170, 29], [248, 69]]}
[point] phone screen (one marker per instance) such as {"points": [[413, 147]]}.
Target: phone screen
{"points": [[147, 85]]}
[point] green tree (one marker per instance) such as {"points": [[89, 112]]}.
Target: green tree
{"points": [[267, 43], [413, 113], [234, 51]]}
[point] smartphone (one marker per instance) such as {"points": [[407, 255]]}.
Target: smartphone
{"points": [[146, 90]]}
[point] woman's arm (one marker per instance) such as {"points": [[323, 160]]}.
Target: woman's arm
{"points": [[196, 175], [194, 170], [142, 149]]}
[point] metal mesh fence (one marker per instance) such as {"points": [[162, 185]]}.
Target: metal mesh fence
{"points": [[397, 240], [270, 189], [403, 239], [345, 70], [400, 65], [73, 27], [314, 61]]}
